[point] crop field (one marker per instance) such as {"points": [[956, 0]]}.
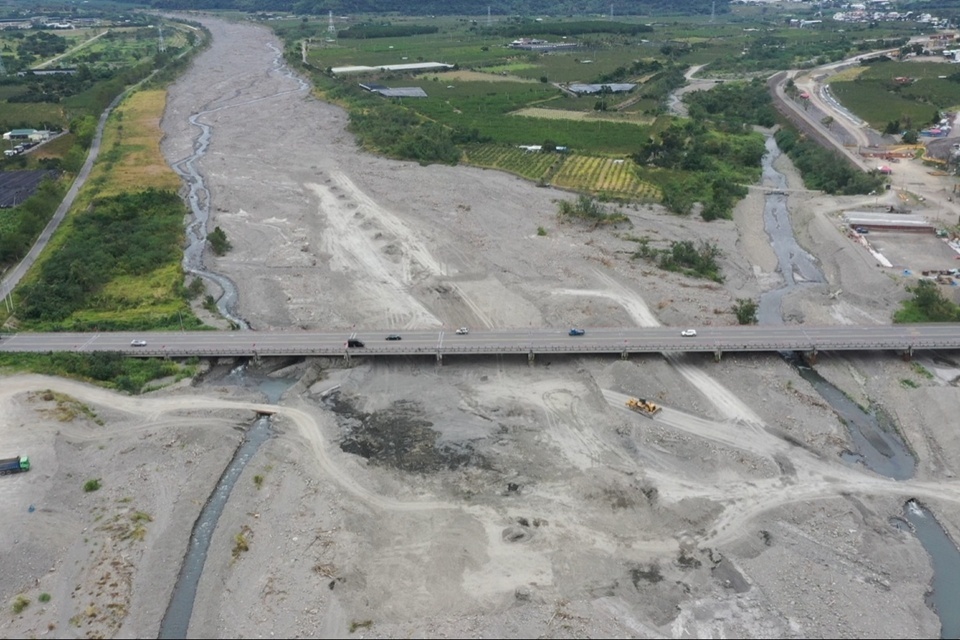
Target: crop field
{"points": [[29, 114], [527, 164], [875, 97], [485, 106], [616, 177], [564, 114]]}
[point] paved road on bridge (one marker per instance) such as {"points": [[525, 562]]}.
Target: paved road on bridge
{"points": [[538, 341]]}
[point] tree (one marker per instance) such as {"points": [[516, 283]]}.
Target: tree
{"points": [[746, 311], [910, 137], [218, 241], [927, 305]]}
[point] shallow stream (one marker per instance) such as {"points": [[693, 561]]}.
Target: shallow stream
{"points": [[876, 442], [176, 620]]}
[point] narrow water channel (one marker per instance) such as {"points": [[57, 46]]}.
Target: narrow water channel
{"points": [[876, 443], [176, 620], [198, 197]]}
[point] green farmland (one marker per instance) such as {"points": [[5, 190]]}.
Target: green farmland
{"points": [[877, 98], [497, 98]]}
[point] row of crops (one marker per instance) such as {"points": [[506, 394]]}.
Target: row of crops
{"points": [[614, 177]]}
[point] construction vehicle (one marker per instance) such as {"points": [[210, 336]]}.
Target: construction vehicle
{"points": [[644, 407], [14, 465]]}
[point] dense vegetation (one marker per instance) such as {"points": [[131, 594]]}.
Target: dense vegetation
{"points": [[733, 106], [698, 261], [385, 31], [20, 226], [588, 210], [927, 305], [532, 27], [109, 369], [823, 169], [703, 165], [126, 235]]}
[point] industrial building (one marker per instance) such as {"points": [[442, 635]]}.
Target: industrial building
{"points": [[873, 221]]}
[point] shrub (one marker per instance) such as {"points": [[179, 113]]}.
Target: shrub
{"points": [[746, 311], [20, 603], [91, 485], [44, 597]]}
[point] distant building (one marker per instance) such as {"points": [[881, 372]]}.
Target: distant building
{"points": [[532, 44], [613, 87], [413, 66], [399, 92], [31, 135]]}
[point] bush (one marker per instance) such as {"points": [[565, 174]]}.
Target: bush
{"points": [[218, 241], [927, 305], [91, 485], [20, 603], [44, 597], [746, 311]]}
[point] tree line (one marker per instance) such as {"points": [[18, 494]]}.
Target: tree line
{"points": [[451, 7]]}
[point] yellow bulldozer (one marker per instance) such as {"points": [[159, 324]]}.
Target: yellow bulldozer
{"points": [[645, 407]]}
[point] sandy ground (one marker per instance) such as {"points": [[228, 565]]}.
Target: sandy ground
{"points": [[487, 497]]}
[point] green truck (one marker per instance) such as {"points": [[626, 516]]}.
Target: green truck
{"points": [[14, 465]]}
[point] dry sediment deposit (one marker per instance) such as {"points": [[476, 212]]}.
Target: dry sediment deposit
{"points": [[487, 497]]}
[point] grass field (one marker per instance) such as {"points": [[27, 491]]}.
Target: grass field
{"points": [[130, 151], [130, 161]]}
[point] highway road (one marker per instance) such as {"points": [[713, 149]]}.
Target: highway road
{"points": [[944, 336]]}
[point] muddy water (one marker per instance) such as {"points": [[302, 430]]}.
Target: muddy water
{"points": [[198, 197], [946, 564], [176, 620], [876, 443]]}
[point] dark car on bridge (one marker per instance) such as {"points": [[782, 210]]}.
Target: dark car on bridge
{"points": [[394, 336], [577, 332], [354, 343]]}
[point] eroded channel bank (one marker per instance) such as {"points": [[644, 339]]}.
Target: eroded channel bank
{"points": [[176, 620], [876, 443]]}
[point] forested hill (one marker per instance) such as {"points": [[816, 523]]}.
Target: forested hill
{"points": [[454, 7]]}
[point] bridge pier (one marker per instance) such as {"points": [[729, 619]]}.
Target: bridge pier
{"points": [[908, 354], [439, 359], [530, 358], [256, 358], [810, 357], [346, 358], [624, 355], [717, 354]]}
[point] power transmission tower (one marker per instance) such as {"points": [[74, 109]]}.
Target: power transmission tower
{"points": [[3, 70], [713, 10], [331, 28], [162, 46], [489, 19]]}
